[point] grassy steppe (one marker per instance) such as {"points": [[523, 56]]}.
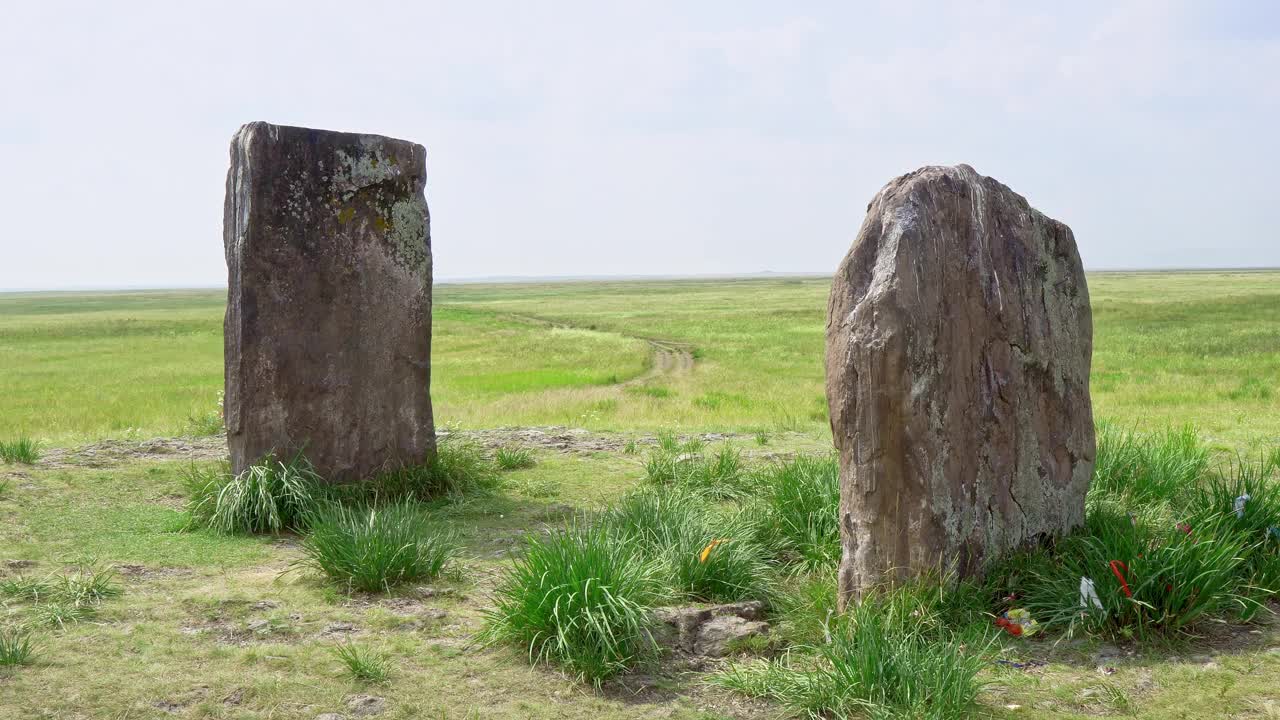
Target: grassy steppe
{"points": [[1169, 348], [216, 626]]}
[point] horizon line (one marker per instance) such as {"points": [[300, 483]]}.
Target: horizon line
{"points": [[536, 279]]}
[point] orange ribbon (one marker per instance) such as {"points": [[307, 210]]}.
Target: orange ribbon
{"points": [[706, 551]]}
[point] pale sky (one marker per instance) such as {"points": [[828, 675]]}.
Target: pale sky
{"points": [[599, 138]]}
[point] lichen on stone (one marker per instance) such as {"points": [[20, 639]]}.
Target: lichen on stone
{"points": [[406, 232], [361, 170]]}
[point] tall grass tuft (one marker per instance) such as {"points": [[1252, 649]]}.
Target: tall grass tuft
{"points": [[719, 475], [798, 508], [372, 548], [363, 663], [60, 614], [892, 655], [17, 646], [1242, 501], [513, 458], [22, 450], [459, 467], [579, 598], [702, 553], [456, 470], [270, 496], [27, 588], [1143, 468], [61, 600], [804, 608], [86, 585]]}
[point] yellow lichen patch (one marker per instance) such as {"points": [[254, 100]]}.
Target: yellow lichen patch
{"points": [[345, 215]]}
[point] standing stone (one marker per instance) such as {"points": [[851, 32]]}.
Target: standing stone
{"points": [[328, 324], [959, 337]]}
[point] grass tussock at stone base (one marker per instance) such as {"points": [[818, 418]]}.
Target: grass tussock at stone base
{"points": [[1149, 577], [1255, 522], [581, 599], [797, 511], [271, 496], [274, 496], [368, 536], [22, 450], [911, 651], [458, 469], [373, 548], [1167, 543]]}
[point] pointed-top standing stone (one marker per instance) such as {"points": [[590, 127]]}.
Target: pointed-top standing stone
{"points": [[959, 337], [328, 322]]}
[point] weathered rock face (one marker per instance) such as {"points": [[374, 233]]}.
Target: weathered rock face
{"points": [[959, 337], [709, 630], [328, 323]]}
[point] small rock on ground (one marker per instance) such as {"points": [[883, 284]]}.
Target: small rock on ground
{"points": [[709, 631], [717, 635], [366, 705]]}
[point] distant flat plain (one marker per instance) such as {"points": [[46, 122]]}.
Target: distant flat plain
{"points": [[1170, 348]]}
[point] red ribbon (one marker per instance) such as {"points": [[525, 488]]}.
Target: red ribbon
{"points": [[1120, 576]]}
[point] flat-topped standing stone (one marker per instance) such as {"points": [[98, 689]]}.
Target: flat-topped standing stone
{"points": [[959, 337], [328, 324]]}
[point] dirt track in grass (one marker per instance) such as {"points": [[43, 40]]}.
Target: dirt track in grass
{"points": [[669, 356]]}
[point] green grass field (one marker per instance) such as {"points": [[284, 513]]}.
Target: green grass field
{"points": [[227, 627], [1169, 348]]}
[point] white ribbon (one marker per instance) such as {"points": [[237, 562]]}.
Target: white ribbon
{"points": [[1089, 595]]}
